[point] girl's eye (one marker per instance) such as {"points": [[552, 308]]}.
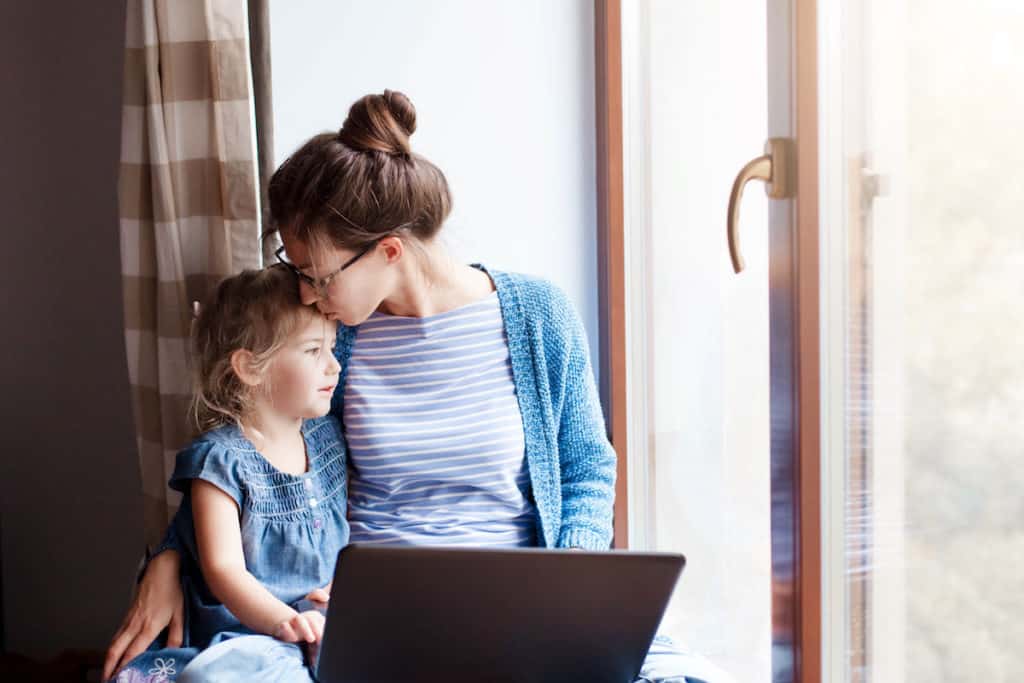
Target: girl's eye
{"points": [[314, 351]]}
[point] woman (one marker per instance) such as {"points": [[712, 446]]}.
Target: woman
{"points": [[466, 394]]}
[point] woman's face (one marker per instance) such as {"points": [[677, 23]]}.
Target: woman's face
{"points": [[351, 295]]}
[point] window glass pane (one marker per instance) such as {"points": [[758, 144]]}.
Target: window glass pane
{"points": [[926, 150], [695, 100]]}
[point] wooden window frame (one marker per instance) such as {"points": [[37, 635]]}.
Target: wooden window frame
{"points": [[610, 245]]}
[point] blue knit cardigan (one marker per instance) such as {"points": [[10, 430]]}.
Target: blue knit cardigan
{"points": [[571, 462]]}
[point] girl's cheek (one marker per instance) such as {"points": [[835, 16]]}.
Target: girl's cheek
{"points": [[295, 379]]}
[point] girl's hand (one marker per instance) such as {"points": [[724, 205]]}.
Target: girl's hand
{"points": [[321, 596], [158, 603], [305, 627]]}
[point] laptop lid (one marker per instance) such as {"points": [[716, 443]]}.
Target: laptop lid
{"points": [[452, 614]]}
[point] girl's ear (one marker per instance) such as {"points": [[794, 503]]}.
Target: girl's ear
{"points": [[243, 363]]}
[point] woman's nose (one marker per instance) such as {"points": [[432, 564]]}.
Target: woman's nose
{"points": [[307, 293]]}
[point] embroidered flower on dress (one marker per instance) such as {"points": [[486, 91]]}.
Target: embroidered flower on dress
{"points": [[163, 668]]}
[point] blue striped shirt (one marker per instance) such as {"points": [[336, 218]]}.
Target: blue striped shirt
{"points": [[435, 434], [572, 464]]}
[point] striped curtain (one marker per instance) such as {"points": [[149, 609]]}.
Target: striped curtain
{"points": [[188, 206]]}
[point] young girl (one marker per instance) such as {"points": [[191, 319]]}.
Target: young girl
{"points": [[265, 484]]}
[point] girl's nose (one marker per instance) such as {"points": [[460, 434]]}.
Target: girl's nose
{"points": [[307, 293], [333, 366]]}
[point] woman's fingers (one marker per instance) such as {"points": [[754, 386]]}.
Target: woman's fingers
{"points": [[175, 631], [118, 653], [139, 644], [117, 647]]}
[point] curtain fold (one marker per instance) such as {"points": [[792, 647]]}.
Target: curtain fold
{"points": [[259, 51], [189, 207]]}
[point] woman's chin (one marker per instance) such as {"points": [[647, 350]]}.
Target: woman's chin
{"points": [[350, 322]]}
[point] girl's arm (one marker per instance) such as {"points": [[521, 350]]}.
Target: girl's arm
{"points": [[219, 540]]}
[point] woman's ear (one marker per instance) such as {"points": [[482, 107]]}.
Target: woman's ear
{"points": [[392, 247], [243, 363]]}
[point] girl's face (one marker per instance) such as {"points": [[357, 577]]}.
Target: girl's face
{"points": [[350, 295], [302, 375]]}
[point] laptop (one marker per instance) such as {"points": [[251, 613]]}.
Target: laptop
{"points": [[531, 614]]}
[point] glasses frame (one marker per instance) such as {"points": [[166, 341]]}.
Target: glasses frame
{"points": [[320, 285]]}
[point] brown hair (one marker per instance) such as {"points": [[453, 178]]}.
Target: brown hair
{"points": [[255, 310], [363, 182]]}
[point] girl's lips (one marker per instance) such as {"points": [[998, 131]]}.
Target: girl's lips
{"points": [[330, 388]]}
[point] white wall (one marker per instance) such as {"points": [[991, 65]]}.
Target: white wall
{"points": [[504, 94]]}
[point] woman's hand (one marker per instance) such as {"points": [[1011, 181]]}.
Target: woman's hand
{"points": [[158, 603]]}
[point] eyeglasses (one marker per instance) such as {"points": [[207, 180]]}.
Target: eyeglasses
{"points": [[320, 286]]}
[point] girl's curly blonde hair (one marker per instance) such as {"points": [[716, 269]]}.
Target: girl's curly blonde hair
{"points": [[256, 310]]}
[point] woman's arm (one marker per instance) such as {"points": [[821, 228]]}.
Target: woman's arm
{"points": [[219, 541], [587, 462], [587, 459]]}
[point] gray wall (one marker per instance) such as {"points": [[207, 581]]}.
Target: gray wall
{"points": [[70, 505]]}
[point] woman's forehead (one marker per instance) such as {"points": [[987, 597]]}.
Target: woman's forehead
{"points": [[297, 251], [303, 255]]}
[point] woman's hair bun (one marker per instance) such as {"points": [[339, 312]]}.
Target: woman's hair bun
{"points": [[380, 123]]}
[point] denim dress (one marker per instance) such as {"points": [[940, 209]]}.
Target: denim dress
{"points": [[293, 527]]}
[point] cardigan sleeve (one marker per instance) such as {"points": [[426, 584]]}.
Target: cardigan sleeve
{"points": [[587, 460]]}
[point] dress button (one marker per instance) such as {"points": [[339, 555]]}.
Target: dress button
{"points": [[312, 502], [317, 523], [308, 484]]}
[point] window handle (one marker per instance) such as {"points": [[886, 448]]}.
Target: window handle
{"points": [[776, 168]]}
